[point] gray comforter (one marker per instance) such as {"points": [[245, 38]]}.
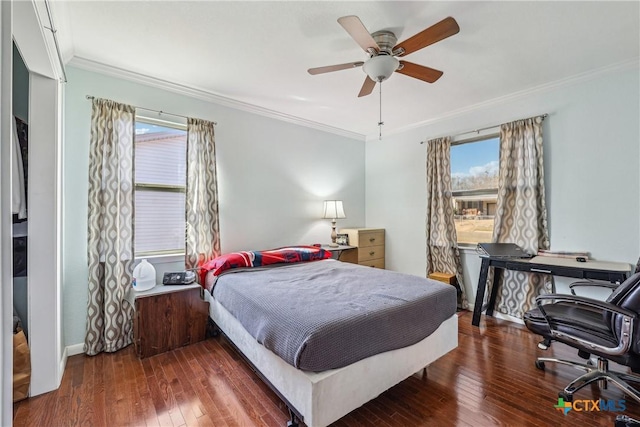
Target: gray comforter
{"points": [[327, 314]]}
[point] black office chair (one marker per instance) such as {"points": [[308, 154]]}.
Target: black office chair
{"points": [[608, 330], [546, 342], [600, 284]]}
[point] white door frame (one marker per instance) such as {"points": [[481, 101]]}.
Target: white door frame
{"points": [[6, 241], [22, 22]]}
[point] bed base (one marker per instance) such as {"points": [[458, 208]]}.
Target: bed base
{"points": [[320, 398], [214, 331], [294, 414]]}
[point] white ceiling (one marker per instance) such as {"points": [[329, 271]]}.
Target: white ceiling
{"points": [[258, 52]]}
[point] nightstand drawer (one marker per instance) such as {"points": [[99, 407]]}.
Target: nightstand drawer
{"points": [[367, 253], [371, 238], [375, 263]]}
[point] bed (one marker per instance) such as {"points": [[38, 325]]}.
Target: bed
{"points": [[325, 361]]}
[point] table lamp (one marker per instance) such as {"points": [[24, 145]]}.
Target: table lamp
{"points": [[333, 210]]}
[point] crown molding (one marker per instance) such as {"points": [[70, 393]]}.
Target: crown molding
{"points": [[572, 80], [204, 95]]}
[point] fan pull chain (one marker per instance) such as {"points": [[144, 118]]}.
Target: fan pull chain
{"points": [[380, 123]]}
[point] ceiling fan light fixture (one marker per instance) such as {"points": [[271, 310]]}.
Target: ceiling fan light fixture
{"points": [[379, 68]]}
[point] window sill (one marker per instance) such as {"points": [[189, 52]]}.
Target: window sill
{"points": [[161, 259], [467, 249]]}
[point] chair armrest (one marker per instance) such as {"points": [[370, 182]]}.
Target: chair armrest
{"points": [[592, 284], [628, 320], [591, 303]]}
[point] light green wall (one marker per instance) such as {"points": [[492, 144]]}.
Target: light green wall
{"points": [[272, 177], [591, 151]]}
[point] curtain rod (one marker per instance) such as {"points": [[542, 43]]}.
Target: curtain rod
{"points": [[477, 131], [55, 41], [155, 111]]}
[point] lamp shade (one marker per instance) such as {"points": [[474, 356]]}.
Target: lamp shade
{"points": [[333, 209]]}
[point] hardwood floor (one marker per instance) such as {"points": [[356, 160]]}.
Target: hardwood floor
{"points": [[489, 380]]}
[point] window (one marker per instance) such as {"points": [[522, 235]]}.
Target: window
{"points": [[160, 180], [474, 182]]}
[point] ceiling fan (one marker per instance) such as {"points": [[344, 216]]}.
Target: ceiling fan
{"points": [[383, 52]]}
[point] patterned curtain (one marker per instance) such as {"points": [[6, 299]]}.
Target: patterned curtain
{"points": [[521, 212], [203, 230], [110, 223], [442, 246]]}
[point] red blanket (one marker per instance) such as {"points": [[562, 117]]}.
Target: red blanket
{"points": [[287, 254]]}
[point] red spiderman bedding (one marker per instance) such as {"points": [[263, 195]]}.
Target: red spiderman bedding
{"points": [[288, 254]]}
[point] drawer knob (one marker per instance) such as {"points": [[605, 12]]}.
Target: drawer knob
{"points": [[372, 239], [372, 253]]}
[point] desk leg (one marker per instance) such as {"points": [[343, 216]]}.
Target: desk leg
{"points": [[494, 290], [482, 285]]}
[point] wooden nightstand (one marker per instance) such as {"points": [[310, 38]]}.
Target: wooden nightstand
{"points": [[343, 253], [167, 317], [370, 243]]}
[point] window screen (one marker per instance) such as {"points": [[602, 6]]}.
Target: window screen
{"points": [[160, 176]]}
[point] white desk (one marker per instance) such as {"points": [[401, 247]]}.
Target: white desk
{"points": [[572, 263]]}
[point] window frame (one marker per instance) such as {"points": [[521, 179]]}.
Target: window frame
{"points": [[164, 188], [483, 135]]}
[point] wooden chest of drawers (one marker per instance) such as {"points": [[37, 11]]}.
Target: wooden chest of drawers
{"points": [[370, 243]]}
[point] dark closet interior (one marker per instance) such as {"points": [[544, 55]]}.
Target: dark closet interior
{"points": [[21, 165]]}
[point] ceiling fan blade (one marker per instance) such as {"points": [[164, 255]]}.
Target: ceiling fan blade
{"points": [[419, 72], [443, 29], [367, 87], [358, 32], [338, 67]]}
